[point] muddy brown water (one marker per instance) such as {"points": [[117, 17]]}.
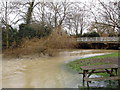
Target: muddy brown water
{"points": [[45, 72]]}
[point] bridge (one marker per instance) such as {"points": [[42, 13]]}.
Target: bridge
{"points": [[99, 42], [99, 39]]}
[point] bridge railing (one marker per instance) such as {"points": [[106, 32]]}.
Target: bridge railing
{"points": [[98, 39]]}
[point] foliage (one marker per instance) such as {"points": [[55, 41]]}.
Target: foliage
{"points": [[92, 34], [34, 30], [119, 35], [13, 37], [45, 45], [25, 31], [42, 29]]}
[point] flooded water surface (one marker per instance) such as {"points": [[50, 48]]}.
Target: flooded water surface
{"points": [[45, 72]]}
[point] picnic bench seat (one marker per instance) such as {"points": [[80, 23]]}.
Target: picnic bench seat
{"points": [[102, 71], [102, 78]]}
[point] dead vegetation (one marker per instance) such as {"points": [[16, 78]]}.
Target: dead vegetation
{"points": [[44, 46], [60, 40]]}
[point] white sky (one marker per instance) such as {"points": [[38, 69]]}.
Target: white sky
{"points": [[64, 0], [95, 2]]}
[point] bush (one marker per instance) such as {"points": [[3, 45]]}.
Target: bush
{"points": [[27, 47], [13, 38], [38, 30], [60, 40], [26, 31], [44, 46], [92, 34]]}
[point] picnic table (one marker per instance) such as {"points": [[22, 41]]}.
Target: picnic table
{"points": [[111, 69]]}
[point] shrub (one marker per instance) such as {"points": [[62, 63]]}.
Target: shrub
{"points": [[60, 40], [46, 45], [92, 34]]}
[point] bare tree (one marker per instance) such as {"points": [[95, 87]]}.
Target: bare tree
{"points": [[40, 13], [103, 29], [8, 8], [107, 18], [58, 12], [119, 15], [27, 11], [76, 19]]}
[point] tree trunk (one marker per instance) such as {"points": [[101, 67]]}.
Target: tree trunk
{"points": [[29, 12], [119, 16], [7, 28], [81, 31], [55, 19]]}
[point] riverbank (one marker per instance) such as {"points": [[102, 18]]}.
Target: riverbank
{"points": [[112, 58], [32, 71]]}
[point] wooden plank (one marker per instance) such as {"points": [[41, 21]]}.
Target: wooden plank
{"points": [[102, 78], [107, 66], [93, 72]]}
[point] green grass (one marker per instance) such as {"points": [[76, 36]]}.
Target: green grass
{"points": [[75, 65]]}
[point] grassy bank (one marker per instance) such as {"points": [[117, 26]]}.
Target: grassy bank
{"points": [[96, 60]]}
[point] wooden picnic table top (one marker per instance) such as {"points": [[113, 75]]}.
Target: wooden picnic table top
{"points": [[93, 67]]}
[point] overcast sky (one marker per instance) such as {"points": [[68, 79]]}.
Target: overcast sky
{"points": [[64, 0], [90, 2]]}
